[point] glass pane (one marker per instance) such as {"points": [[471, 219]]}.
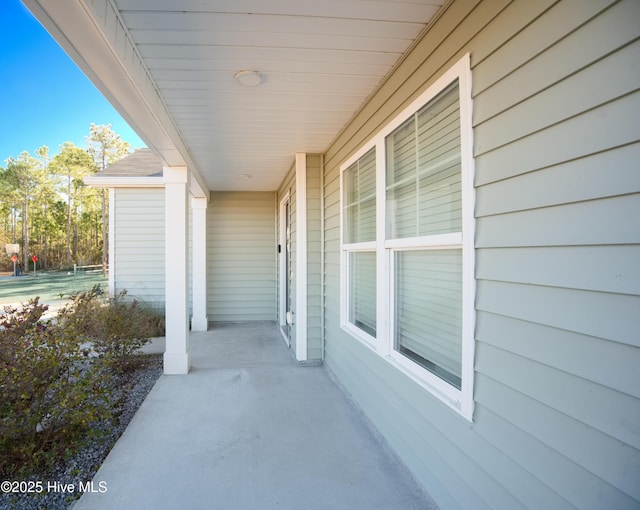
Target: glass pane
{"points": [[424, 171], [428, 310], [401, 211], [351, 184], [401, 181], [440, 198], [401, 153], [362, 291], [439, 163], [359, 183]]}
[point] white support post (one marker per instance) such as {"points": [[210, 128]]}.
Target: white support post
{"points": [[199, 320], [301, 257], [176, 356], [112, 242]]}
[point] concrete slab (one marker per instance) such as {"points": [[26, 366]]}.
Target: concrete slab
{"points": [[248, 428], [155, 346]]}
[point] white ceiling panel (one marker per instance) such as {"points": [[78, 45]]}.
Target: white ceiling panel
{"points": [[241, 23], [273, 40], [278, 66], [240, 53]]}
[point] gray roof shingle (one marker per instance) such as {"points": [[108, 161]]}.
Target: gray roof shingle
{"points": [[141, 163]]}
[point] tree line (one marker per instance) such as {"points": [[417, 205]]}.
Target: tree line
{"points": [[46, 208]]}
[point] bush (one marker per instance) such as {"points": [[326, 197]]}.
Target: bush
{"points": [[116, 329], [50, 393], [58, 377]]}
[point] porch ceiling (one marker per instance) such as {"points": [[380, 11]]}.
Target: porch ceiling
{"points": [[319, 61]]}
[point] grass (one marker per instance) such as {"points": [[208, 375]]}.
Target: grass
{"points": [[48, 285]]}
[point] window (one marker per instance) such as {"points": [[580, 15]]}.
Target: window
{"points": [[424, 204], [359, 235], [419, 263]]}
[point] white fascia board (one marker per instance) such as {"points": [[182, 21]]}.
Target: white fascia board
{"points": [[124, 182], [118, 72]]}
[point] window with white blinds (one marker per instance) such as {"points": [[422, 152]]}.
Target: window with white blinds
{"points": [[359, 232], [408, 282], [424, 199]]}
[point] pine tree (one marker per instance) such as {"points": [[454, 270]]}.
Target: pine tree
{"points": [[105, 147]]}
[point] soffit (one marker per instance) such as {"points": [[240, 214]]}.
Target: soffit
{"points": [[319, 61]]}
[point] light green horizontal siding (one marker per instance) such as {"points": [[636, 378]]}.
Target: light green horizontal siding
{"points": [[572, 267], [608, 125], [530, 63], [139, 244], [314, 336], [556, 104], [564, 224], [241, 253], [570, 96], [576, 180]]}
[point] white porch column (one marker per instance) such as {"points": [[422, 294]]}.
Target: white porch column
{"points": [[176, 356], [112, 242], [199, 320]]}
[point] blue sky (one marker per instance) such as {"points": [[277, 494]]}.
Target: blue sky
{"points": [[44, 98]]}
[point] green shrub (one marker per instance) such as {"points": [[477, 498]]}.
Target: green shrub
{"points": [[117, 328], [57, 377], [50, 392]]}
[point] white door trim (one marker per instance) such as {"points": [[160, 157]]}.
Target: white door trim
{"points": [[284, 276]]}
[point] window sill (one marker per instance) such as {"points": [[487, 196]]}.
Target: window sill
{"points": [[441, 390], [360, 335]]}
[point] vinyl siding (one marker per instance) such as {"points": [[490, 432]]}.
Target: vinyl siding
{"points": [[241, 280], [314, 303], [139, 244], [293, 213], [556, 146]]}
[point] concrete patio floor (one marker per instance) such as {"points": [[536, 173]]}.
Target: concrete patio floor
{"points": [[248, 428]]}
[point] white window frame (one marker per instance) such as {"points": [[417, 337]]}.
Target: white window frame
{"points": [[461, 400]]}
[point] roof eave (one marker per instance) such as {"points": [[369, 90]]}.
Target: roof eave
{"points": [[96, 181], [126, 85]]}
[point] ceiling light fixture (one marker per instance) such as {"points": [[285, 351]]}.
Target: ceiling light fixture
{"points": [[244, 177], [248, 78]]}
